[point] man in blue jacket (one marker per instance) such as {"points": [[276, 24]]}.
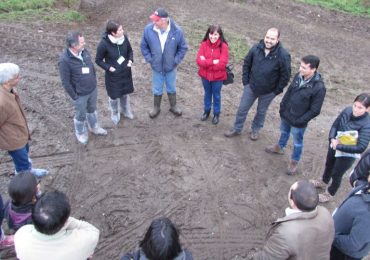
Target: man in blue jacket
{"points": [[266, 71], [78, 77], [163, 46]]}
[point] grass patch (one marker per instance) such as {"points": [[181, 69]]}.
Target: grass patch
{"points": [[359, 7], [22, 5], [238, 46], [11, 10]]}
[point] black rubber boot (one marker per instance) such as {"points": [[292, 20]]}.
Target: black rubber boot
{"points": [[205, 116], [174, 109], [215, 119], [157, 106]]}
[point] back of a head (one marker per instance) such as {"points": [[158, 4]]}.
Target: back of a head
{"points": [[161, 241], [51, 212], [305, 196], [22, 188], [8, 71]]}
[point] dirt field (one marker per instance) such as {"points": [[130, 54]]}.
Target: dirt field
{"points": [[222, 193]]}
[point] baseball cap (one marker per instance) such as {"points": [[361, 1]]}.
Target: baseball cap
{"points": [[158, 14]]}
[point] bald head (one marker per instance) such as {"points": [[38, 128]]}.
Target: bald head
{"points": [[304, 195], [271, 38]]}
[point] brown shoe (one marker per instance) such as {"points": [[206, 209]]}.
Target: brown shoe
{"points": [[275, 149], [292, 167], [254, 136], [231, 133]]}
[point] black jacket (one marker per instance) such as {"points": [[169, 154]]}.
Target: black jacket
{"points": [[346, 122], [139, 255], [362, 170], [73, 80], [118, 83], [301, 104], [352, 224], [266, 74]]}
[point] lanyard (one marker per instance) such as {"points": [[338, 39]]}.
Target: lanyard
{"points": [[119, 52]]}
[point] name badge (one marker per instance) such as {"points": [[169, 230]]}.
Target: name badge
{"points": [[85, 70], [120, 60]]}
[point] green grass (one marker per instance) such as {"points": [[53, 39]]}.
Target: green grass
{"points": [[22, 5], [238, 47], [359, 7], [11, 10]]}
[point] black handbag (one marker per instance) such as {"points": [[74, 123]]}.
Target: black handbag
{"points": [[230, 75]]}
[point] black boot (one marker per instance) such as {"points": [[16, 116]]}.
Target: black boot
{"points": [[157, 106], [174, 109], [215, 119], [205, 116]]}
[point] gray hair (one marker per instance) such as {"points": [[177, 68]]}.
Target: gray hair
{"points": [[72, 38], [8, 71]]}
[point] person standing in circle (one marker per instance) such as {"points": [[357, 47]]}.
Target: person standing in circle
{"points": [[114, 55], [212, 58]]}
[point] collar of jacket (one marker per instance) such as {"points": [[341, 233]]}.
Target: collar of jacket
{"points": [[298, 215], [71, 55], [214, 45], [316, 77]]}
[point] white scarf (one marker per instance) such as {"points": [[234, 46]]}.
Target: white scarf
{"points": [[115, 40]]}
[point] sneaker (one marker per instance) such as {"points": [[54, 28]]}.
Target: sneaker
{"points": [[7, 241], [274, 149], [325, 197], [254, 136], [83, 138], [232, 133], [318, 184], [39, 173], [292, 167], [98, 131]]}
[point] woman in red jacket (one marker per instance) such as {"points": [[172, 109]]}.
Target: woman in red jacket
{"points": [[212, 58]]}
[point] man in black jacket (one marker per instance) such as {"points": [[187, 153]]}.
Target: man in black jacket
{"points": [[78, 77], [301, 103], [361, 172], [266, 71]]}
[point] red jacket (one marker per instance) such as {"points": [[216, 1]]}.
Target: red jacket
{"points": [[213, 51]]}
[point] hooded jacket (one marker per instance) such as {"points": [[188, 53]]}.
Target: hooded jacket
{"points": [[213, 51], [266, 74], [301, 104], [174, 50], [362, 170]]}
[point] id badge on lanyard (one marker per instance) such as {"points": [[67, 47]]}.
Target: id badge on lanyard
{"points": [[85, 70]]}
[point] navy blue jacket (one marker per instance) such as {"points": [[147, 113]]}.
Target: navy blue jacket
{"points": [[352, 224], [174, 50], [266, 74], [346, 122], [73, 80], [119, 82], [301, 104]]}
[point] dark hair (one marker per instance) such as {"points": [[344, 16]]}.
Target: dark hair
{"points": [[214, 28], [364, 99], [112, 26], [51, 212], [305, 196], [161, 240], [313, 60], [72, 38], [22, 188]]}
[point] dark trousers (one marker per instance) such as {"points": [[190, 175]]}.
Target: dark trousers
{"points": [[335, 254], [335, 168]]}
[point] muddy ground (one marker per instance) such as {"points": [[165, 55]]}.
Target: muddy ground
{"points": [[222, 193]]}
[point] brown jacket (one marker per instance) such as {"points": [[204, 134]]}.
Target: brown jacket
{"points": [[14, 133], [300, 236]]}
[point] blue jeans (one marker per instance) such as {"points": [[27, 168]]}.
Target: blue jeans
{"points": [[20, 159], [212, 89], [285, 130], [85, 104], [246, 103], [159, 79]]}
